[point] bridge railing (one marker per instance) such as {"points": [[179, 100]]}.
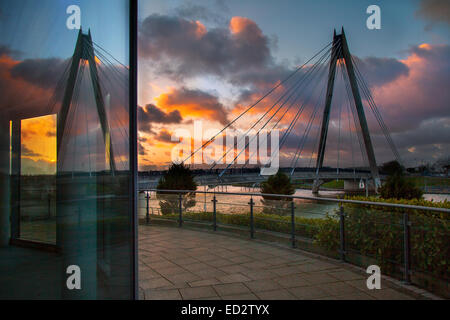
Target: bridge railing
{"points": [[405, 241]]}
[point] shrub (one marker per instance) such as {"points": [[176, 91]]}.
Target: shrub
{"points": [[378, 233], [277, 184], [398, 187], [178, 177], [392, 167]]}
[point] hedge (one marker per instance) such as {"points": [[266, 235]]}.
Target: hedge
{"points": [[377, 232]]}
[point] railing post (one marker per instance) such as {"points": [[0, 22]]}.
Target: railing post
{"points": [[342, 232], [252, 227], [147, 216], [180, 204], [214, 213], [406, 247], [293, 223]]}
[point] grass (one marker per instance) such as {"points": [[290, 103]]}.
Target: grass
{"points": [[339, 185], [335, 184], [430, 181]]}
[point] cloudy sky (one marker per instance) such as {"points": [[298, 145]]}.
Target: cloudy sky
{"points": [[208, 60], [35, 47]]}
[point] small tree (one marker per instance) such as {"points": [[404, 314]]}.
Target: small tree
{"points": [[178, 177], [396, 186], [277, 184], [392, 167]]}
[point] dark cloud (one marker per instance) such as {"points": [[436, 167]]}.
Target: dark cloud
{"points": [[19, 98], [27, 152], [6, 51], [435, 11], [50, 134], [42, 72], [142, 151], [380, 71], [152, 114], [193, 50], [165, 136]]}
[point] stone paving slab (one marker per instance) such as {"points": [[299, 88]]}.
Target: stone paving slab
{"points": [[188, 264]]}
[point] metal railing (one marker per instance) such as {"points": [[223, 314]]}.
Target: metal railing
{"points": [[260, 218]]}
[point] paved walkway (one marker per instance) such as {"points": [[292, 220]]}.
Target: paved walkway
{"points": [[186, 264]]}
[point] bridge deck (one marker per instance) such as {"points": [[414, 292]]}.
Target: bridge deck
{"points": [[209, 179]]}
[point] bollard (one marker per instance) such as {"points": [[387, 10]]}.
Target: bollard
{"points": [[406, 248], [214, 213], [342, 232], [293, 223], [252, 228]]}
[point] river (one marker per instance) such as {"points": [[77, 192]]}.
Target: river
{"points": [[233, 204]]}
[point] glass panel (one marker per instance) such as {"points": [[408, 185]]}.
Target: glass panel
{"points": [[66, 183], [37, 187]]}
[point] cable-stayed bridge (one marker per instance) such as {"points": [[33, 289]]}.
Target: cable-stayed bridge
{"points": [[91, 102], [325, 98], [296, 107], [234, 177]]}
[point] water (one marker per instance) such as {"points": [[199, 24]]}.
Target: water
{"points": [[238, 204], [436, 197]]}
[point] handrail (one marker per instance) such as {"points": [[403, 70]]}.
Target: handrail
{"points": [[381, 204]]}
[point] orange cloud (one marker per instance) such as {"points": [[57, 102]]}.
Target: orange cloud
{"points": [[241, 24], [192, 104], [200, 30]]}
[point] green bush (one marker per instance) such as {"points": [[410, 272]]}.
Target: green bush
{"points": [[378, 233], [178, 177], [412, 202], [280, 184], [397, 187]]}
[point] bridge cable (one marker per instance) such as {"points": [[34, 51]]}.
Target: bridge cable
{"points": [[253, 105], [338, 53], [302, 143], [121, 128], [376, 112], [293, 89], [307, 131], [296, 87], [339, 128], [295, 119], [71, 112], [286, 134], [355, 120]]}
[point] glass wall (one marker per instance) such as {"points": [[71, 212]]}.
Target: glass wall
{"points": [[67, 173]]}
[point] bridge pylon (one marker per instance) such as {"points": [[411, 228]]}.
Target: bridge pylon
{"points": [[340, 50], [84, 51]]}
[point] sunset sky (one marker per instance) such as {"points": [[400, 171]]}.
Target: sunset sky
{"points": [[191, 67], [207, 60]]}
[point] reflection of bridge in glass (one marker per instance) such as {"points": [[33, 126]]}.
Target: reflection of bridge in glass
{"points": [[307, 89], [82, 211]]}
